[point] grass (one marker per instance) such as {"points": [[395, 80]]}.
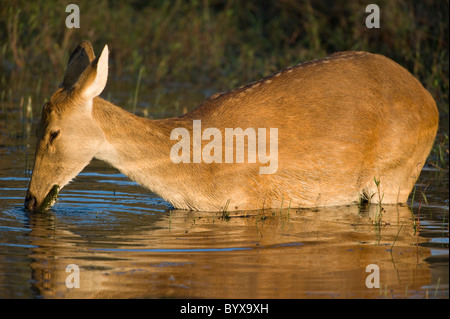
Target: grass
{"points": [[423, 198], [379, 207], [416, 224], [440, 152], [225, 212], [136, 91], [286, 216], [396, 237], [286, 211], [387, 293]]}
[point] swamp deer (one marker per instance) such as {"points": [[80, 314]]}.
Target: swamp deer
{"points": [[353, 126]]}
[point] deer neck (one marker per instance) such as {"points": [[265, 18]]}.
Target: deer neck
{"points": [[140, 148]]}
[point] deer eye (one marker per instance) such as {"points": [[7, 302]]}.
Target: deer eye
{"points": [[53, 135]]}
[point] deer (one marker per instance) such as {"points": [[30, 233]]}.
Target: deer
{"points": [[351, 127]]}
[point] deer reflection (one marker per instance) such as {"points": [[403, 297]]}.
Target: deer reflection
{"points": [[283, 253]]}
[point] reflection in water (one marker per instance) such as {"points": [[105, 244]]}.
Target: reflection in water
{"points": [[288, 254]]}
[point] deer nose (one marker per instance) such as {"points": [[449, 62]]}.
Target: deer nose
{"points": [[30, 202]]}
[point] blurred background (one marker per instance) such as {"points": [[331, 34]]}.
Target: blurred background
{"points": [[205, 46]]}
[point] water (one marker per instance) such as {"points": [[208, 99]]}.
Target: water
{"points": [[127, 242]]}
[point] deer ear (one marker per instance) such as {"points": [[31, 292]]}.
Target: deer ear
{"points": [[79, 60], [93, 79]]}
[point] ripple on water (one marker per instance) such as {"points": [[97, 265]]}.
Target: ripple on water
{"points": [[128, 243]]}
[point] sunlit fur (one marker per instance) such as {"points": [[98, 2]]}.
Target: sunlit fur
{"points": [[342, 122]]}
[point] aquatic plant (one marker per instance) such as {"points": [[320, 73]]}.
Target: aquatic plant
{"points": [[49, 200]]}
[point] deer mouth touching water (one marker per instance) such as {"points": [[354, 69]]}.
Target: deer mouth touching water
{"points": [[348, 126]]}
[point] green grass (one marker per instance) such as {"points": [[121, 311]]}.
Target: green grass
{"points": [[396, 237], [204, 41], [136, 91], [379, 208], [225, 212]]}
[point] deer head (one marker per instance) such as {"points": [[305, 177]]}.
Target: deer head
{"points": [[68, 137]]}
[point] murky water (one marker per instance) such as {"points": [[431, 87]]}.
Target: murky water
{"points": [[126, 242]]}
